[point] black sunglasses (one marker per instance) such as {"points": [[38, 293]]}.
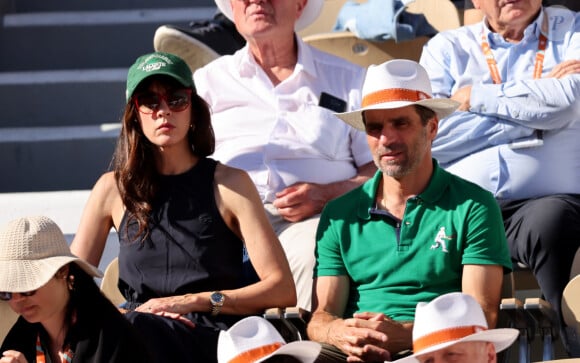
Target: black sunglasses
{"points": [[6, 296], [176, 100]]}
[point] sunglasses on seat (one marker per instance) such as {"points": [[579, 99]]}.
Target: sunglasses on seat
{"points": [[150, 102]]}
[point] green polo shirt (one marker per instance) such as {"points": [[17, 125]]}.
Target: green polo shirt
{"points": [[392, 264]]}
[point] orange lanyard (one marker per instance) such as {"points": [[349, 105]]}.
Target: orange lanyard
{"points": [[41, 357], [492, 64]]}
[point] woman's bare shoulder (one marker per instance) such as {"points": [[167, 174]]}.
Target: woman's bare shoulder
{"points": [[230, 177], [106, 188]]}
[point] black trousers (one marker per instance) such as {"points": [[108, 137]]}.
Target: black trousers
{"points": [[544, 234]]}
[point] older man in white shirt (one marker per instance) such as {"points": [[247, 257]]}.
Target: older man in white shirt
{"points": [[273, 103]]}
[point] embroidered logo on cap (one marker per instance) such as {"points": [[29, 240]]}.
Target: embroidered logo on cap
{"points": [[153, 66]]}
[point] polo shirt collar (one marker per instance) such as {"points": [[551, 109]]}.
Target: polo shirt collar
{"points": [[435, 190]]}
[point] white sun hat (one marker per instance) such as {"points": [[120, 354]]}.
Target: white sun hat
{"points": [[453, 318], [394, 84], [309, 14], [254, 339], [32, 250]]}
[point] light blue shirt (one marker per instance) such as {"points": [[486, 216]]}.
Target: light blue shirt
{"points": [[495, 144]]}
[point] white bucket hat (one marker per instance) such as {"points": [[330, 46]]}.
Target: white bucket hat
{"points": [[32, 250], [254, 339], [395, 84], [450, 319], [309, 14]]}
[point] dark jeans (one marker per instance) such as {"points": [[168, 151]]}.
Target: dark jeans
{"points": [[544, 234]]}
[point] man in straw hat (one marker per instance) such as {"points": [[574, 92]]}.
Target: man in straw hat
{"points": [[410, 234], [255, 340], [452, 328], [63, 314], [273, 105]]}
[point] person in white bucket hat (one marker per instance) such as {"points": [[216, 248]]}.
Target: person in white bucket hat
{"points": [[410, 234], [453, 325], [63, 314], [255, 340]]}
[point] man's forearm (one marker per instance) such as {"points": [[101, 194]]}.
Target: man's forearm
{"points": [[318, 328]]}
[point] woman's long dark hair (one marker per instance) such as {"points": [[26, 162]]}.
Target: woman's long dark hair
{"points": [[86, 302], [134, 158]]}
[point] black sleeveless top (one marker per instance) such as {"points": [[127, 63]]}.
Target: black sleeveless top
{"points": [[189, 248]]}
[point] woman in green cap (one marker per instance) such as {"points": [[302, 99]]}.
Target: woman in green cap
{"points": [[182, 220]]}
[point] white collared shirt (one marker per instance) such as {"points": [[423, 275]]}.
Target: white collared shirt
{"points": [[279, 134]]}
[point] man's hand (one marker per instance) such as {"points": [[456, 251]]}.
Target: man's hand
{"points": [[301, 201], [463, 96], [369, 337], [565, 68]]}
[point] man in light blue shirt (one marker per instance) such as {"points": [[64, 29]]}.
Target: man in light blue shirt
{"points": [[517, 75]]}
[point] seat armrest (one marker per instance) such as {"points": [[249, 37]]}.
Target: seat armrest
{"points": [[547, 323], [518, 318], [290, 322], [285, 327], [545, 317], [299, 318], [273, 313]]}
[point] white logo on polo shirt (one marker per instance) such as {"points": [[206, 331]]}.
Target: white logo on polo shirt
{"points": [[440, 240]]}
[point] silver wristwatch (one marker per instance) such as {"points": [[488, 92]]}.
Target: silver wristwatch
{"points": [[216, 300]]}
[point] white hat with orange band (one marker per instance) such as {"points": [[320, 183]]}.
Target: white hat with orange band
{"points": [[453, 318], [254, 339], [395, 84]]}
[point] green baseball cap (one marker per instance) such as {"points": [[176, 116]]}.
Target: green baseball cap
{"points": [[158, 63]]}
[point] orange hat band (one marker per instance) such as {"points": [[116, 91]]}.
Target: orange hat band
{"points": [[443, 336], [256, 353], [393, 94]]}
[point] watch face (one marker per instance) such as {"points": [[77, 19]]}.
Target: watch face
{"points": [[217, 298]]}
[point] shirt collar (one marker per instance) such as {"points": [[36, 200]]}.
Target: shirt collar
{"points": [[306, 58], [248, 67], [435, 190], [531, 33]]}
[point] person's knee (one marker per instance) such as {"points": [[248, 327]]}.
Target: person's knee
{"points": [[549, 220]]}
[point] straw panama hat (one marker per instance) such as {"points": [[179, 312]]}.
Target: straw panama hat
{"points": [[309, 14], [395, 84], [254, 339], [453, 318], [32, 250]]}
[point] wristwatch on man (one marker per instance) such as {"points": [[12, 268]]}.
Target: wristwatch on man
{"points": [[216, 300]]}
